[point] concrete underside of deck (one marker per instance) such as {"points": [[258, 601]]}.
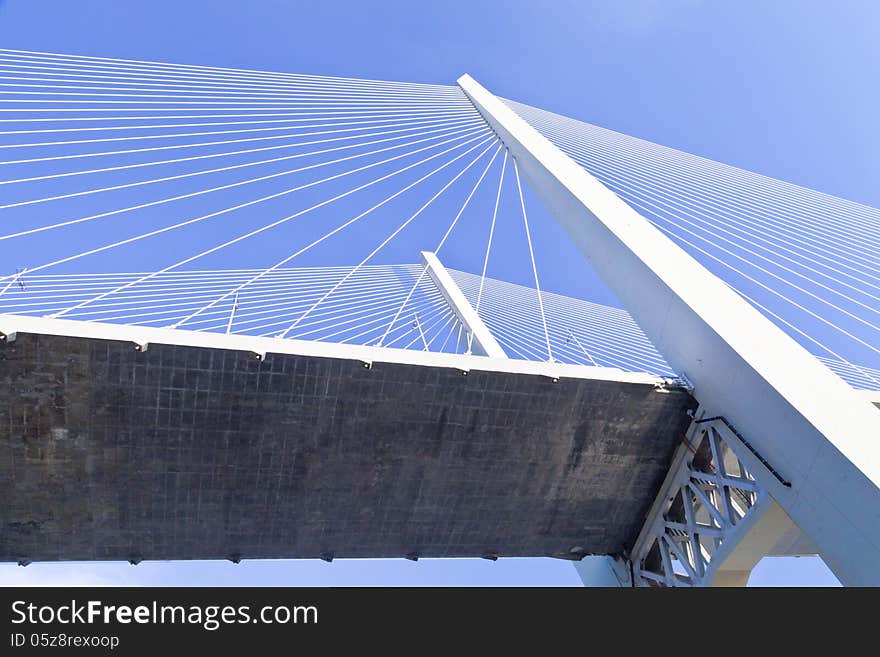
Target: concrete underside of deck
{"points": [[187, 452]]}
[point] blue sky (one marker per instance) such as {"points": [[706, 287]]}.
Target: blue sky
{"points": [[783, 88]]}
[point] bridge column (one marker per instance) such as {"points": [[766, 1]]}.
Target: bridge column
{"points": [[802, 419], [604, 571], [482, 340]]}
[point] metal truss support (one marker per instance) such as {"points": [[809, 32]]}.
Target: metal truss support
{"points": [[482, 341], [712, 520], [803, 419], [707, 503]]}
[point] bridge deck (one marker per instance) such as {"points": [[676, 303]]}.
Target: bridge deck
{"points": [[185, 451]]}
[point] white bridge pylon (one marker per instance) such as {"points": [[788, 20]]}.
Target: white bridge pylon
{"points": [[800, 420], [480, 338]]}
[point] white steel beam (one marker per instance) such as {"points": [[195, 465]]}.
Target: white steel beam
{"points": [[821, 435], [142, 336], [483, 342]]}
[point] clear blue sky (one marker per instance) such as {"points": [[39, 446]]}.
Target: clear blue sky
{"points": [[786, 88]]}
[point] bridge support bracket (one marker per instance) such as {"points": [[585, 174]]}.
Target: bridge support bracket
{"points": [[713, 520], [707, 502]]}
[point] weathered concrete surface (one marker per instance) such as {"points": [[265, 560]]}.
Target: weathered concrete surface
{"points": [[185, 453]]}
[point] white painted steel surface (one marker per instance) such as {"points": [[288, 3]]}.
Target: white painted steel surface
{"points": [[483, 343], [143, 336]]}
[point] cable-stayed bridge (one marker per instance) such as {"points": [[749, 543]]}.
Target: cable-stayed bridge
{"points": [[256, 314]]}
